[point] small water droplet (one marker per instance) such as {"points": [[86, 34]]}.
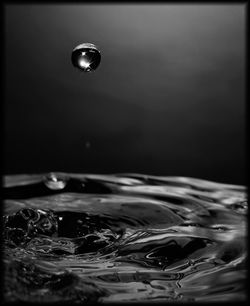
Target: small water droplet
{"points": [[220, 228], [86, 57], [55, 181]]}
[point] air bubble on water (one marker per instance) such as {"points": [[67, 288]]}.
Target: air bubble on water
{"points": [[55, 181], [86, 57]]}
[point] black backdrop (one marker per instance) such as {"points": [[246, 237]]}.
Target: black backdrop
{"points": [[167, 99]]}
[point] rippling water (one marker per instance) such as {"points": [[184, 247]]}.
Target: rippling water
{"points": [[123, 238]]}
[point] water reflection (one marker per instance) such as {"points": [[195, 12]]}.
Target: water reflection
{"points": [[123, 238]]}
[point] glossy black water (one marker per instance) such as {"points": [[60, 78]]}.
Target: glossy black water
{"points": [[123, 238]]}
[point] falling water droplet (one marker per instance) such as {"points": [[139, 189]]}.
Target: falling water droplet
{"points": [[55, 181], [86, 57]]}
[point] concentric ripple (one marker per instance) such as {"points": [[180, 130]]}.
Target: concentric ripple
{"points": [[123, 238]]}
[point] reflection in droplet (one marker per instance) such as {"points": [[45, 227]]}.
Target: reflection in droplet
{"points": [[55, 181], [86, 57]]}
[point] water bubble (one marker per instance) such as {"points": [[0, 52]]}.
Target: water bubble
{"points": [[55, 181], [86, 57]]}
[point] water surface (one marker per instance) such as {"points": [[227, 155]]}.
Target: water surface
{"points": [[123, 238]]}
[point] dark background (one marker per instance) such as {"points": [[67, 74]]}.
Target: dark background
{"points": [[167, 99]]}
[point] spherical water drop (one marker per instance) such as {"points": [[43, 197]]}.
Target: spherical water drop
{"points": [[86, 57], [55, 181]]}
